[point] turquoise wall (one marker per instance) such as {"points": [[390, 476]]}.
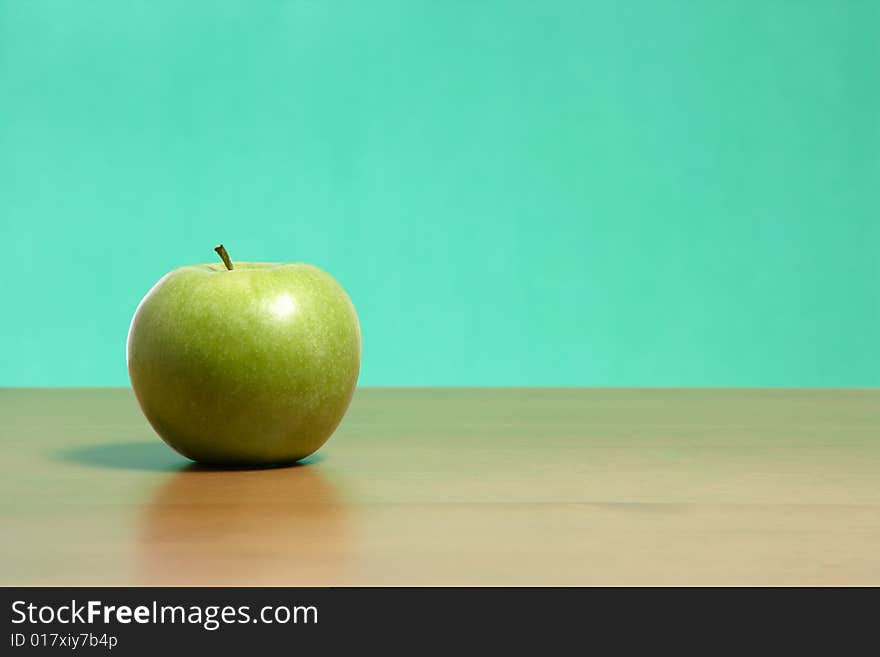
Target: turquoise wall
{"points": [[514, 193]]}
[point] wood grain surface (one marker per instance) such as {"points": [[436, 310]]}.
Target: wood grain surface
{"points": [[457, 486]]}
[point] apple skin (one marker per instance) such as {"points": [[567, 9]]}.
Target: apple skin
{"points": [[250, 367]]}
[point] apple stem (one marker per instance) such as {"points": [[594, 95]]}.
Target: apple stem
{"points": [[221, 251]]}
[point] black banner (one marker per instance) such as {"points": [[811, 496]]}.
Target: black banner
{"points": [[116, 621]]}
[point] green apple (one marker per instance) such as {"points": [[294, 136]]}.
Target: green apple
{"points": [[245, 363]]}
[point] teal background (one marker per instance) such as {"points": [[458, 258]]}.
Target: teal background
{"points": [[514, 193]]}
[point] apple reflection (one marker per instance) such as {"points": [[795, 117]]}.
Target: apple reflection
{"points": [[278, 527]]}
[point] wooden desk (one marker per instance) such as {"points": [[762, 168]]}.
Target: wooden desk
{"points": [[457, 486]]}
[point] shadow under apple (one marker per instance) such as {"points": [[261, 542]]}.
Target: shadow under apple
{"points": [[151, 455]]}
